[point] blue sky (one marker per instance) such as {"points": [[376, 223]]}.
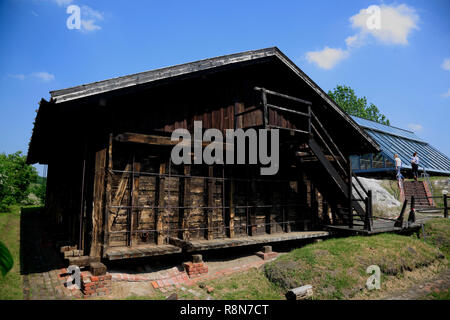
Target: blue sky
{"points": [[403, 67]]}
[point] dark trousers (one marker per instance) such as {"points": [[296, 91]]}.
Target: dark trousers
{"points": [[415, 170]]}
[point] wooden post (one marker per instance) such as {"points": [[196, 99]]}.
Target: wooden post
{"points": [[134, 203], [210, 203], [314, 205], [369, 193], [160, 188], [186, 201], [252, 210], [265, 111], [368, 217], [412, 215], [445, 206], [232, 207], [350, 195], [97, 212], [109, 174]]}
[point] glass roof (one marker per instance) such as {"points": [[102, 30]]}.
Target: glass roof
{"points": [[404, 143], [367, 124]]}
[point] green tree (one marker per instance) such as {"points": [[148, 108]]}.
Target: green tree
{"points": [[346, 98], [15, 178]]}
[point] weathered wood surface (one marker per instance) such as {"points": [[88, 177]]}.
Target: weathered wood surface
{"points": [[300, 293], [198, 245], [114, 253], [160, 140], [97, 214], [379, 226]]}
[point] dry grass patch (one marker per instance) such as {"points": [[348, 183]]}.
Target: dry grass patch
{"points": [[248, 285]]}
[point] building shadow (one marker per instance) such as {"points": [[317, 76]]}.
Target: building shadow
{"points": [[37, 249]]}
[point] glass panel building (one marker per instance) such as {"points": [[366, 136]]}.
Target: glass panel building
{"points": [[392, 141]]}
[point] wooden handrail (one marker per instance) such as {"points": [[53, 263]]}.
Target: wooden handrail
{"points": [[283, 95]]}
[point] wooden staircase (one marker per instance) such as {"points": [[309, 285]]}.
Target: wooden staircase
{"points": [[336, 181]]}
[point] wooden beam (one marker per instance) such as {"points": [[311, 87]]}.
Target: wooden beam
{"points": [[97, 213], [156, 140]]}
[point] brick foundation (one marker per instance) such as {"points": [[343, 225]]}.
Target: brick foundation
{"points": [[266, 255], [94, 286], [195, 269]]}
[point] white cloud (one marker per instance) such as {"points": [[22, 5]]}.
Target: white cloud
{"points": [[17, 76], [446, 64], [397, 23], [89, 18], [62, 2], [326, 58], [447, 94], [44, 76], [415, 126]]}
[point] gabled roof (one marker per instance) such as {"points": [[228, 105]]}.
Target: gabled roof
{"points": [[404, 143], [91, 89]]}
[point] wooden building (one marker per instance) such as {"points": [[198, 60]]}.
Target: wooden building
{"points": [[113, 191]]}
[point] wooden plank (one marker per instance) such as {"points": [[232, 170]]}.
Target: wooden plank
{"points": [[156, 140], [97, 212]]}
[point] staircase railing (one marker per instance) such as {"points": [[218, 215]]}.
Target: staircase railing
{"points": [[426, 178], [316, 129]]}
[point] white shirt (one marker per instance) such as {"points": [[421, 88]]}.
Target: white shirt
{"points": [[398, 162], [415, 160]]}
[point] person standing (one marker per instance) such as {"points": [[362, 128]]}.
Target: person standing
{"points": [[415, 166], [398, 166]]}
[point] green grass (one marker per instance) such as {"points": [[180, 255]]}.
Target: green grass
{"points": [[437, 233], [11, 284], [336, 268], [248, 285]]}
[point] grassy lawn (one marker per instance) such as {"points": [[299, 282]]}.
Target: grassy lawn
{"points": [[336, 268], [11, 284], [437, 233]]}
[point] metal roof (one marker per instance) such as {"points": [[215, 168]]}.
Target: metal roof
{"points": [[375, 126], [394, 140]]}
